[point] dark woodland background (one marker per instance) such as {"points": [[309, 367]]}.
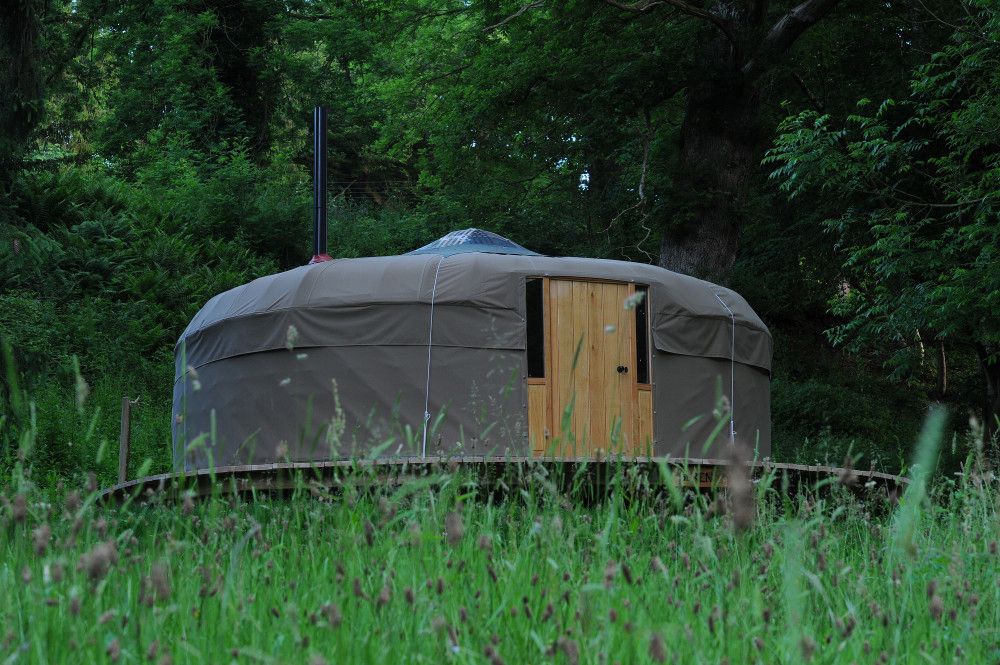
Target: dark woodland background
{"points": [[835, 161]]}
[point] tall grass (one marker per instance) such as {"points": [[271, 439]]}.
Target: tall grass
{"points": [[439, 570]]}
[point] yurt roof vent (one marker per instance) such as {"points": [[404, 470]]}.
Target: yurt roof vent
{"points": [[473, 240]]}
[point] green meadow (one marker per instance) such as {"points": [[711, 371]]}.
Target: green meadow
{"points": [[439, 569]]}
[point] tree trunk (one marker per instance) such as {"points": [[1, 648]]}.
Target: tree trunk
{"points": [[990, 365], [722, 141], [720, 153]]}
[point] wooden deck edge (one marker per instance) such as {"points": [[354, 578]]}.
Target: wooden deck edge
{"points": [[282, 475]]}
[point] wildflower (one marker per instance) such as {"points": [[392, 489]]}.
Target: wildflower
{"points": [[114, 650], [358, 591], [657, 649], [384, 596], [657, 564], [26, 574], [485, 543]]}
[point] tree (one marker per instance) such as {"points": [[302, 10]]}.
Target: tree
{"points": [[910, 189], [21, 81], [722, 136]]}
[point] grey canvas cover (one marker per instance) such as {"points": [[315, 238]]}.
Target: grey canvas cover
{"points": [[341, 358]]}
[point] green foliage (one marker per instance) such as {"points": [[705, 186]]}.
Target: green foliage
{"points": [[156, 153], [909, 189]]}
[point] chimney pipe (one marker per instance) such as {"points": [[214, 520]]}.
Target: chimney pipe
{"points": [[319, 186]]}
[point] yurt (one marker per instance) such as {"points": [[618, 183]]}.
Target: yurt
{"points": [[470, 346]]}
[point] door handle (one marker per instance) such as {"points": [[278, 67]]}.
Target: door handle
{"points": [[622, 369]]}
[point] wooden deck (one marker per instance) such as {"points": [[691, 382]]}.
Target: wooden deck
{"points": [[501, 472]]}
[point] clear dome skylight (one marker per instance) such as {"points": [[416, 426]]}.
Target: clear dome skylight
{"points": [[473, 240]]}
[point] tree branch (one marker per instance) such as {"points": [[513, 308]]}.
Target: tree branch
{"points": [[641, 6], [817, 104], [530, 5], [784, 33]]}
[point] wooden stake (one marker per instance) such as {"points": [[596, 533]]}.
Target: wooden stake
{"points": [[124, 439]]}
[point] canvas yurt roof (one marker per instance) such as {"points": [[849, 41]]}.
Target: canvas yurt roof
{"points": [[325, 302]]}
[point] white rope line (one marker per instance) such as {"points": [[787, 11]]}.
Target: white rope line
{"points": [[732, 373], [430, 345]]}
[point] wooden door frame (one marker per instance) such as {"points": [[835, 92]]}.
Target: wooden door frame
{"points": [[548, 342]]}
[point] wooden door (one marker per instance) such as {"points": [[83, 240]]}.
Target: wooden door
{"points": [[592, 387]]}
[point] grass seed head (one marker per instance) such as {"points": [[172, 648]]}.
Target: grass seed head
{"points": [[19, 508], [99, 560], [657, 648], [333, 615], [808, 646], [936, 607], [570, 649], [187, 506], [40, 539], [114, 650], [454, 529]]}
